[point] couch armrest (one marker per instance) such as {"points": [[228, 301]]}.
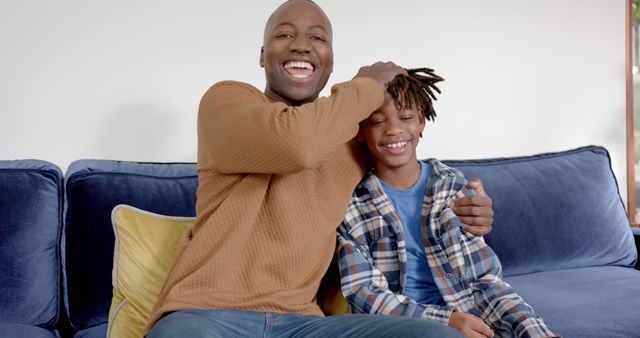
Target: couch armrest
{"points": [[636, 237]]}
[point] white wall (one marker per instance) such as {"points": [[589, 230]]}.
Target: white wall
{"points": [[122, 79]]}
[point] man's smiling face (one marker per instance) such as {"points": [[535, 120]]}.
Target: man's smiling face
{"points": [[297, 55]]}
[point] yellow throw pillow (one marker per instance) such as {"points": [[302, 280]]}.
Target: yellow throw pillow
{"points": [[144, 252], [329, 296]]}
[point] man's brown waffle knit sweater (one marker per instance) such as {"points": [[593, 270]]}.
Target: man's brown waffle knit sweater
{"points": [[274, 183]]}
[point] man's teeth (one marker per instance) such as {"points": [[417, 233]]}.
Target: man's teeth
{"points": [[298, 64], [396, 145]]}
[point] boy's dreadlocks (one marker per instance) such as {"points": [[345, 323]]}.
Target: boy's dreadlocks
{"points": [[415, 90]]}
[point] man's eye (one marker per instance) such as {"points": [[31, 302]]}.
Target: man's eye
{"points": [[317, 38], [376, 122], [284, 36]]}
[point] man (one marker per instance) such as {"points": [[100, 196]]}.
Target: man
{"points": [[276, 171]]}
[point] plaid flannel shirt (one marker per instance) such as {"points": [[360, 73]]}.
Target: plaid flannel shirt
{"points": [[373, 255]]}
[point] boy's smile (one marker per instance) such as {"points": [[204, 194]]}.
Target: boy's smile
{"points": [[397, 148], [392, 134]]}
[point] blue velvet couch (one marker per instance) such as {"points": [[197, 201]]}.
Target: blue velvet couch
{"points": [[560, 230]]}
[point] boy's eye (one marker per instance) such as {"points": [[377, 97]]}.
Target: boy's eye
{"points": [[406, 117], [376, 122]]}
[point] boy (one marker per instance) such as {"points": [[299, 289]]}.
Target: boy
{"points": [[402, 250]]}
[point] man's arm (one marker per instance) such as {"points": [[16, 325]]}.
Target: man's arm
{"points": [[240, 131]]}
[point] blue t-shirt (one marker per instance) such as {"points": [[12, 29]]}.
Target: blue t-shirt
{"points": [[408, 203]]}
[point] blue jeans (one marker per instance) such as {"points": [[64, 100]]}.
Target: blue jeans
{"points": [[224, 323]]}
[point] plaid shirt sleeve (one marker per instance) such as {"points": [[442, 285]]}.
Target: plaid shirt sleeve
{"points": [[367, 290], [497, 302]]}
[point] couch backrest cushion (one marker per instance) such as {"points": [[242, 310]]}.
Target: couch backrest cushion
{"points": [[93, 188], [30, 227], [555, 211]]}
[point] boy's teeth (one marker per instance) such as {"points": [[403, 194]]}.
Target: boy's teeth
{"points": [[396, 145]]}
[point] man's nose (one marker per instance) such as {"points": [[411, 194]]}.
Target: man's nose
{"points": [[300, 44]]}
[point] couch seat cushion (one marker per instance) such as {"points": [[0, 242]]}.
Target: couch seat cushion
{"points": [[575, 301], [99, 331], [21, 330]]}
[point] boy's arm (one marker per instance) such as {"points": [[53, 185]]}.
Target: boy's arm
{"points": [[240, 131], [367, 290], [497, 302], [502, 308]]}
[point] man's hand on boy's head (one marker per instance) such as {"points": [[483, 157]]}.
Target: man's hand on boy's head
{"points": [[475, 212], [382, 72]]}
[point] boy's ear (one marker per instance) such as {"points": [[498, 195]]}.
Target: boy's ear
{"points": [[262, 57], [423, 122]]}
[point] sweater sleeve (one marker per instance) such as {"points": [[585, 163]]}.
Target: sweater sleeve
{"points": [[241, 131]]}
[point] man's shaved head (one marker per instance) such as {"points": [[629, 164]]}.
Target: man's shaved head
{"points": [[267, 27]]}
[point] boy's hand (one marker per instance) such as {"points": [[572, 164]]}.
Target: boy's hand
{"points": [[470, 325], [475, 212], [382, 72]]}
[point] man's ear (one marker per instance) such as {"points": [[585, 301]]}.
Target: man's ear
{"points": [[331, 68], [262, 57]]}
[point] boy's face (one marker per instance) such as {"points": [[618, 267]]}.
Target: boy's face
{"points": [[297, 55], [392, 136]]}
